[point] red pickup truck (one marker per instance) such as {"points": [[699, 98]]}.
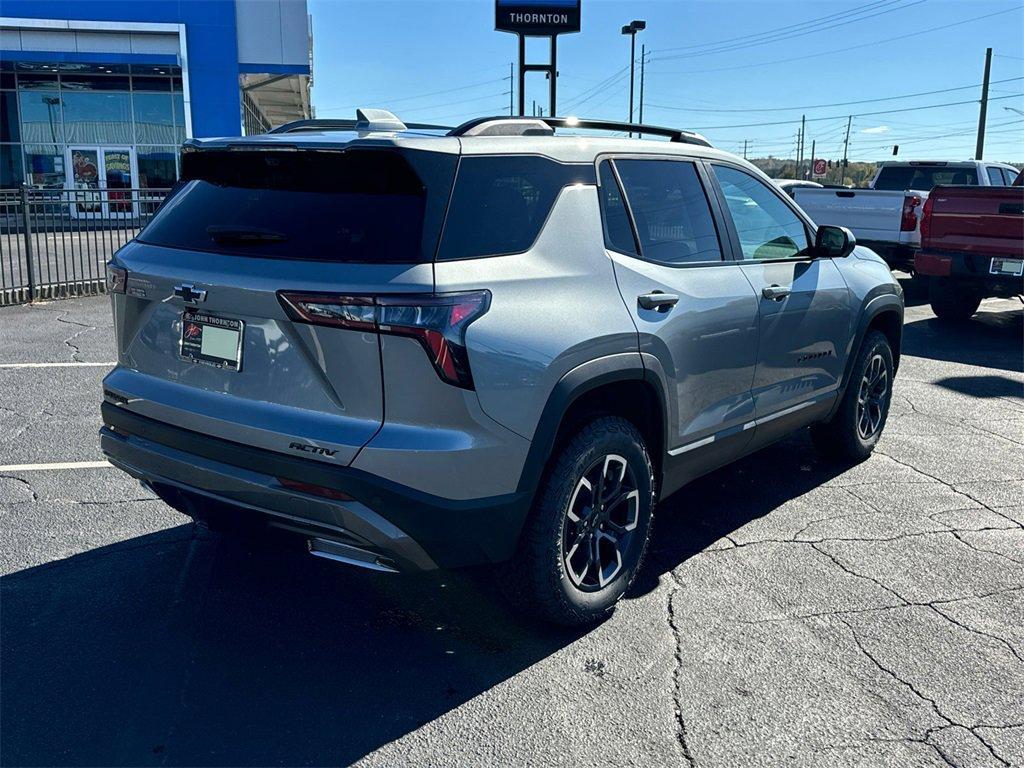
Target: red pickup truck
{"points": [[972, 247]]}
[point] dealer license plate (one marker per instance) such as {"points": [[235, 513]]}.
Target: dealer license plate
{"points": [[1014, 267], [212, 340]]}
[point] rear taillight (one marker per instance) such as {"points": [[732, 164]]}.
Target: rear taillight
{"points": [[438, 322], [908, 223], [926, 219], [117, 278]]}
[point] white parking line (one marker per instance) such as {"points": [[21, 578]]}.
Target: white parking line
{"points": [[75, 364], [55, 465]]}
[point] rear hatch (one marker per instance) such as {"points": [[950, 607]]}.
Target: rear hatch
{"points": [[206, 340]]}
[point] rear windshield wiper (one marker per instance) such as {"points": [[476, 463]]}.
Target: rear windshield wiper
{"points": [[238, 234]]}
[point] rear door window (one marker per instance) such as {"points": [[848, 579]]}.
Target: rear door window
{"points": [[500, 203], [670, 210], [995, 177], [352, 206]]}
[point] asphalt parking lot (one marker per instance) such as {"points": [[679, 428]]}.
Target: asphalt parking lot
{"points": [[792, 611]]}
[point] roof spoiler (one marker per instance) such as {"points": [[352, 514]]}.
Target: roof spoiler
{"points": [[367, 120]]}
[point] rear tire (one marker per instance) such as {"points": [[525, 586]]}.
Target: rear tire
{"points": [[948, 303], [853, 431], [586, 537]]}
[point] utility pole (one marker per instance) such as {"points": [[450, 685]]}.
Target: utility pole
{"points": [[803, 141], [643, 60], [511, 87], [814, 144], [980, 150], [744, 149], [846, 147]]}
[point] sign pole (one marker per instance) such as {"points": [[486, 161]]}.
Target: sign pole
{"points": [[537, 18], [522, 75], [554, 74]]}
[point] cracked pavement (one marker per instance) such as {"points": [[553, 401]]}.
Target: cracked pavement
{"points": [[791, 611]]}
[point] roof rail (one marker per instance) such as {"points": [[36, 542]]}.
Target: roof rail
{"points": [[505, 126], [345, 124]]}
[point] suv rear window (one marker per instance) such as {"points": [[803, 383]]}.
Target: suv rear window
{"points": [[923, 177], [500, 203], [351, 206]]}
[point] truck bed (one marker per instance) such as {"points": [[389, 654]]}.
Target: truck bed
{"points": [[875, 216], [983, 220]]}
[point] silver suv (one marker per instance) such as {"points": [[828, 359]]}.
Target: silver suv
{"points": [[418, 348]]}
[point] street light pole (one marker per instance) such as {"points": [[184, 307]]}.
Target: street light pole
{"points": [[631, 29]]}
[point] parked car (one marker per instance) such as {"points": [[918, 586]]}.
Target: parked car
{"points": [[422, 349], [886, 216], [788, 185], [972, 247]]}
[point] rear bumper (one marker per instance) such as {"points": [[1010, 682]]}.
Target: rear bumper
{"points": [[398, 528], [969, 271]]}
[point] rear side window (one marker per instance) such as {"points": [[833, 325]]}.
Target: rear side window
{"points": [[670, 210], [922, 177], [995, 177], [618, 233], [353, 206], [500, 204]]}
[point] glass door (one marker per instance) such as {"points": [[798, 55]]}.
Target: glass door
{"points": [[101, 180]]}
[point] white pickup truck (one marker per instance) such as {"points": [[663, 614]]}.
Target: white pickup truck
{"points": [[886, 216]]}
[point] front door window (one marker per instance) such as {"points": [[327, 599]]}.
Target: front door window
{"points": [[767, 228]]}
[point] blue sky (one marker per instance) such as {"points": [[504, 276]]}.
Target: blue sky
{"points": [[734, 70]]}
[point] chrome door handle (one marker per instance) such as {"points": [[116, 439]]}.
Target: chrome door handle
{"points": [[775, 292], [662, 302]]}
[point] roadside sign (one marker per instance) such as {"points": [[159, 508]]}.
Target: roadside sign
{"points": [[819, 169], [539, 18]]}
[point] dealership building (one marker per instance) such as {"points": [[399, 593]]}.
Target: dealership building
{"points": [[102, 93]]}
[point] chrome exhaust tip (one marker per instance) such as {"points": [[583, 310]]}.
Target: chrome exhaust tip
{"points": [[345, 553]]}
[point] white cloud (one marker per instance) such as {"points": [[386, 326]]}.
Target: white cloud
{"points": [[876, 129]]}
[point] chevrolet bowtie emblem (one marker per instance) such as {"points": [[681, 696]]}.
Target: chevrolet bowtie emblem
{"points": [[190, 294]]}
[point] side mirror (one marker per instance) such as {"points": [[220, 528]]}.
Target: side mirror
{"points": [[833, 242]]}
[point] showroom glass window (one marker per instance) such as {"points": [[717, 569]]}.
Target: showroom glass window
{"points": [[131, 116]]}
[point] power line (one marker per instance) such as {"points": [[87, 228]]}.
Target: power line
{"points": [[788, 27], [430, 107], [589, 93], [410, 98], [902, 38], [789, 36], [861, 114], [835, 104]]}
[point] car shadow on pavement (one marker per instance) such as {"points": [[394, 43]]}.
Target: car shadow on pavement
{"points": [[989, 339], [186, 648], [983, 386], [714, 506]]}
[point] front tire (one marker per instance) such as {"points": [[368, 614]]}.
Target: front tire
{"points": [[586, 537], [948, 303], [853, 431]]}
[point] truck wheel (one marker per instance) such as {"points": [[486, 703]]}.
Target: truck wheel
{"points": [[587, 533], [948, 303], [853, 431]]}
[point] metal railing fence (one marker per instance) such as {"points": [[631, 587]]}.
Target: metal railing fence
{"points": [[55, 243]]}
